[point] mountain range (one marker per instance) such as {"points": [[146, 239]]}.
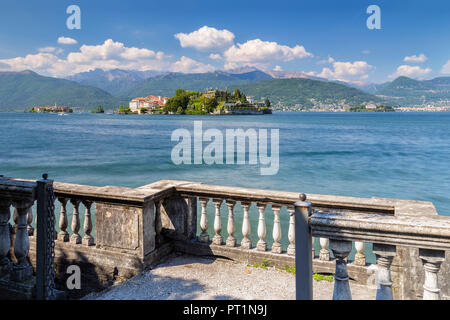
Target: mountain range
{"points": [[85, 91]]}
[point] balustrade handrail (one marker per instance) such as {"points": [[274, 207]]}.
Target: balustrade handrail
{"points": [[430, 232]]}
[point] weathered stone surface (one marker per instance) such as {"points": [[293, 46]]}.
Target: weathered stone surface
{"points": [[117, 226]]}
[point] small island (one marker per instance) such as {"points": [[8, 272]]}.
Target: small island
{"points": [[50, 109], [98, 110], [212, 102], [371, 108]]}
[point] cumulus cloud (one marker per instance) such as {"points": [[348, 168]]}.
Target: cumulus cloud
{"points": [[51, 49], [345, 71], [326, 61], [260, 53], [64, 40], [215, 56], [446, 68], [206, 39], [37, 62], [109, 55], [420, 58], [188, 65], [410, 71]]}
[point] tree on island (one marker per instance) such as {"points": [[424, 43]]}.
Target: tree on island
{"points": [[98, 110], [267, 102], [123, 109]]}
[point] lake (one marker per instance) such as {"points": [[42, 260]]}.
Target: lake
{"points": [[395, 155]]}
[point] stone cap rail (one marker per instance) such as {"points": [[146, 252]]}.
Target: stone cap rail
{"points": [[423, 232], [110, 194], [322, 202], [17, 189]]}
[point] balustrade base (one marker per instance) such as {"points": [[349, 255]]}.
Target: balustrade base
{"points": [[88, 241], [231, 242], [324, 255], [203, 238], [360, 260], [5, 266], [75, 239], [21, 272], [246, 244], [261, 246], [63, 237], [217, 239], [277, 248], [291, 250]]}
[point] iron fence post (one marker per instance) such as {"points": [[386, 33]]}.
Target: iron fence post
{"points": [[45, 239], [303, 247]]}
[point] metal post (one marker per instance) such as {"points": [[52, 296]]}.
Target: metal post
{"points": [[303, 249], [45, 239]]}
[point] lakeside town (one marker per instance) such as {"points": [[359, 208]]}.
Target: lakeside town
{"points": [[217, 102]]}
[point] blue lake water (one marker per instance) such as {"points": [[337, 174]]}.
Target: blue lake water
{"points": [[395, 155]]}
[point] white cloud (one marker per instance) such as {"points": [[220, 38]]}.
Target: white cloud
{"points": [[366, 51], [109, 55], [260, 53], [410, 71], [64, 40], [206, 39], [446, 68], [188, 65], [277, 68], [51, 49], [345, 71], [38, 62], [215, 56], [325, 61], [420, 58]]}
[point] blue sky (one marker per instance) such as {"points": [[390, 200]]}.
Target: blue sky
{"points": [[323, 38]]}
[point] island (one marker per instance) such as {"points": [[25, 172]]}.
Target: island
{"points": [[213, 102], [371, 108]]}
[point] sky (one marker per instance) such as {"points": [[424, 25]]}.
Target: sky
{"points": [[324, 38]]}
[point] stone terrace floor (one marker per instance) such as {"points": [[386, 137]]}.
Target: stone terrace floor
{"points": [[185, 277]]}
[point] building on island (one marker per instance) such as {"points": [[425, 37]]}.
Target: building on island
{"points": [[371, 106], [51, 109], [150, 102]]}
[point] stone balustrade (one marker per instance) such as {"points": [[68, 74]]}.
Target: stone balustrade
{"points": [[115, 232]]}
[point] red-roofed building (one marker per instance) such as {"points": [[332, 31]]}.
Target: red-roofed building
{"points": [[149, 102]]}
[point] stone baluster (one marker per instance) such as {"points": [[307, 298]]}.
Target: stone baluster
{"points": [[291, 232], [341, 250], [88, 240], [158, 221], [22, 270], [385, 254], [431, 260], [5, 237], [63, 235], [217, 239], [204, 237], [360, 258], [75, 237], [30, 229], [246, 243], [16, 220], [276, 233], [261, 245], [324, 253], [231, 240]]}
